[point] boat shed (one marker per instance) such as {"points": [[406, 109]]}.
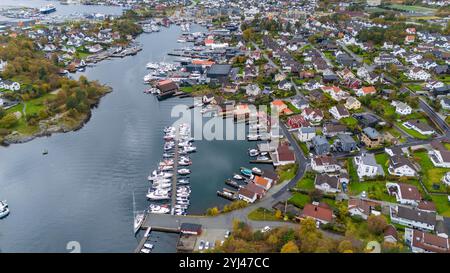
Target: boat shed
{"points": [[219, 72], [189, 228]]}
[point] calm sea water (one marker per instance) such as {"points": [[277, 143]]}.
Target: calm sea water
{"points": [[82, 190]]}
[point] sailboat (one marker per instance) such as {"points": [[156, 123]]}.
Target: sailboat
{"points": [[138, 217]]}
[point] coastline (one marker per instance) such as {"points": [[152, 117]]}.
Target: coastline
{"points": [[17, 138]]}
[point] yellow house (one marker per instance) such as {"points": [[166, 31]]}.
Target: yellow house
{"points": [[352, 103]]}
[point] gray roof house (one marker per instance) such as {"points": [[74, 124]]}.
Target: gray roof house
{"points": [[320, 145], [345, 143]]}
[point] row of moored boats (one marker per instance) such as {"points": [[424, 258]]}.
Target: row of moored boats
{"points": [[178, 141]]}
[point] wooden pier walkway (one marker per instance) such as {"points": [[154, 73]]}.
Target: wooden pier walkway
{"points": [[175, 171]]}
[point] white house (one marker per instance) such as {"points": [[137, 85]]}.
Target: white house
{"points": [[413, 218], [423, 242], [439, 155], [9, 85], [367, 166], [327, 183], [247, 195], [339, 112], [419, 126], [401, 108], [401, 166], [252, 90], [418, 74], [305, 134], [404, 193], [324, 164]]}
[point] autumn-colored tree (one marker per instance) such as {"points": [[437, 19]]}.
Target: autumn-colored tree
{"points": [[278, 214], [376, 224], [345, 246], [212, 211], [290, 247], [309, 236]]}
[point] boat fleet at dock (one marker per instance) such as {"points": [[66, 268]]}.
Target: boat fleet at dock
{"points": [[172, 171]]}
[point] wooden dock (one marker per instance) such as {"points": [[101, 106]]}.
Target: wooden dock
{"points": [[269, 161]]}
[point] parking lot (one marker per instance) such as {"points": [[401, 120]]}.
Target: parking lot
{"points": [[213, 236]]}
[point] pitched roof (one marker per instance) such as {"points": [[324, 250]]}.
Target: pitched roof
{"points": [[318, 212], [409, 192], [417, 215], [430, 242]]}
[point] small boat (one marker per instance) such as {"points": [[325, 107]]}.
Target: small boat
{"points": [[45, 152], [145, 250], [165, 168], [256, 171], [148, 245], [246, 172], [262, 157], [168, 155], [158, 195], [264, 153], [158, 209], [138, 220], [190, 149], [238, 177], [184, 171], [4, 210], [253, 152]]}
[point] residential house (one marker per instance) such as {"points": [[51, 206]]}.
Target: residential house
{"points": [[418, 74], [263, 182], [419, 126], [283, 155], [319, 212], [285, 85], [413, 218], [314, 116], [445, 103], [327, 183], [361, 207], [424, 242], [399, 165], [352, 103], [366, 90], [367, 166], [345, 143], [401, 108], [252, 90], [339, 111], [335, 92], [299, 103], [390, 234], [320, 145], [280, 107], [371, 137], [324, 164], [296, 121], [439, 155], [405, 194], [305, 134], [331, 130]]}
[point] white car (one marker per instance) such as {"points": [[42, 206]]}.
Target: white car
{"points": [[201, 245], [227, 234], [364, 194], [207, 245], [265, 229]]}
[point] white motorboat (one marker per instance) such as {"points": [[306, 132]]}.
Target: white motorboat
{"points": [[4, 210], [166, 162], [183, 202], [168, 155], [162, 186], [158, 195], [184, 171], [181, 206], [161, 180], [158, 209], [184, 162], [138, 220], [183, 182], [262, 157], [145, 250], [165, 168], [253, 152], [190, 149], [148, 246], [256, 171], [264, 153], [238, 177]]}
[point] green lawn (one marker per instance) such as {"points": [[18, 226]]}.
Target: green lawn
{"points": [[307, 182], [299, 200], [351, 122], [412, 132], [442, 204], [374, 190], [415, 87], [262, 214], [408, 8], [292, 107], [383, 159], [287, 172], [430, 173]]}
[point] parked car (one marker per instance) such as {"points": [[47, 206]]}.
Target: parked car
{"points": [[201, 245], [265, 229], [227, 234], [207, 245], [364, 194]]}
